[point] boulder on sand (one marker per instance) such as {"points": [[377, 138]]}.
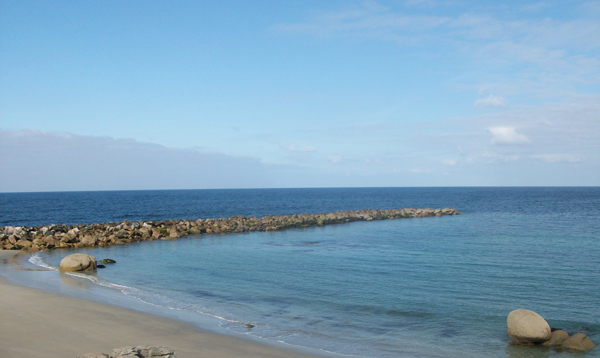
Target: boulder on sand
{"points": [[526, 326], [78, 262]]}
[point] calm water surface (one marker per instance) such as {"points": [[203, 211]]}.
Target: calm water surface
{"points": [[431, 287]]}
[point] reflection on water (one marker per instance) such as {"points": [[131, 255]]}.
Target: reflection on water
{"points": [[519, 351], [73, 281]]}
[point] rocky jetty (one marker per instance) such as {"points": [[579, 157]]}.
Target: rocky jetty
{"points": [[125, 232]]}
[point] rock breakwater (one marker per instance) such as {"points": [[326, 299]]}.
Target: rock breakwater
{"points": [[124, 232]]}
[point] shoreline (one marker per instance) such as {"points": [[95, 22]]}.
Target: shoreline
{"points": [[37, 323], [42, 322], [125, 232]]}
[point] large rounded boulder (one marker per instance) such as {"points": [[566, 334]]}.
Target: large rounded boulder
{"points": [[78, 262], [525, 326]]}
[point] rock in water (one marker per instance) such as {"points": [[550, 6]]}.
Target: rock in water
{"points": [[108, 261], [556, 339], [78, 262], [526, 326], [579, 342]]}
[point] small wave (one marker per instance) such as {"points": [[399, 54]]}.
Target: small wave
{"points": [[154, 299], [206, 314], [37, 260]]}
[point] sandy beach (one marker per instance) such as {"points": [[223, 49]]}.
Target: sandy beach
{"points": [[34, 323]]}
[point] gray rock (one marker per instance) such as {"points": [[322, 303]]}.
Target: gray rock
{"points": [[108, 261], [526, 326]]}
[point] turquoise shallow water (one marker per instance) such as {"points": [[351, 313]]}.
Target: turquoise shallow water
{"points": [[430, 287]]}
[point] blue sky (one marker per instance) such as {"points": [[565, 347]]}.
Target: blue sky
{"points": [[236, 94]]}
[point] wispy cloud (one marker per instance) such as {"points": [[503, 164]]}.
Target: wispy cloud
{"points": [[449, 162], [420, 171], [556, 158], [528, 56], [491, 101], [302, 148], [366, 20], [335, 159]]}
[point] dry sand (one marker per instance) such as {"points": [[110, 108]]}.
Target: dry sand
{"points": [[34, 323]]}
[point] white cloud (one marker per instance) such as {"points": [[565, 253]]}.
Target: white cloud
{"points": [[507, 135], [491, 101], [335, 159]]}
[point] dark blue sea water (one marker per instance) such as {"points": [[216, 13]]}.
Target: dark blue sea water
{"points": [[430, 287]]}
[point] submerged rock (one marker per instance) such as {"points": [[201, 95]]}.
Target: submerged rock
{"points": [[108, 261], [526, 326], [578, 342]]}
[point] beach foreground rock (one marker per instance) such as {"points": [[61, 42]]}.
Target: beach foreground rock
{"points": [[135, 352], [525, 326], [78, 262]]}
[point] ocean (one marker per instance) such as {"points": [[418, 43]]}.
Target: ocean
{"points": [[423, 287]]}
